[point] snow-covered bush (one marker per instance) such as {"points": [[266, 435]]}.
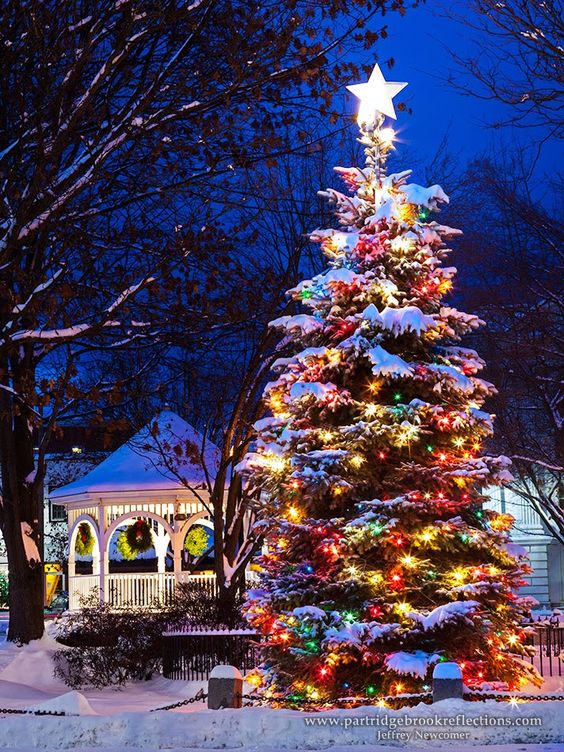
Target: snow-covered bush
{"points": [[108, 646]]}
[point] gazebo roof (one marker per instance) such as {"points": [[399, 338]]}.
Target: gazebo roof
{"points": [[162, 456]]}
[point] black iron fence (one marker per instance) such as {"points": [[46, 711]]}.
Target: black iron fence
{"points": [[192, 655], [548, 640]]}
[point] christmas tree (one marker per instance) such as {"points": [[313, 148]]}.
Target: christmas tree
{"points": [[380, 559]]}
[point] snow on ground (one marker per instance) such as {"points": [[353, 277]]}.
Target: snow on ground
{"points": [[109, 720]]}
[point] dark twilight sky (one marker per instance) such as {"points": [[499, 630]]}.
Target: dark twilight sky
{"points": [[419, 44]]}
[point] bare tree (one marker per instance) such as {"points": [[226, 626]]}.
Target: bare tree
{"points": [[513, 263], [278, 207], [109, 111], [518, 59]]}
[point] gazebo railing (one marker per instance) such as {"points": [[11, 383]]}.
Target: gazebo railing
{"points": [[140, 588]]}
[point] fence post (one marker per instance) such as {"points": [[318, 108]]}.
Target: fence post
{"points": [[447, 682], [225, 688]]}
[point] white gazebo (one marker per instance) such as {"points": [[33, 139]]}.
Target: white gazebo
{"points": [[156, 476]]}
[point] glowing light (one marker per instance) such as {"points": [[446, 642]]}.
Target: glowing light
{"points": [[370, 690], [409, 561], [273, 462], [381, 704], [387, 136], [398, 688], [459, 575], [514, 701], [442, 457], [403, 608], [374, 387], [401, 244], [513, 639], [371, 410], [426, 536], [357, 460], [254, 680], [326, 436], [458, 442], [381, 455], [294, 513]]}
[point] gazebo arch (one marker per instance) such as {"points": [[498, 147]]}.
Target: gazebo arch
{"points": [[73, 532], [136, 482]]}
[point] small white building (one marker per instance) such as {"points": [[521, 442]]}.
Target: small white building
{"points": [[160, 476], [546, 554]]}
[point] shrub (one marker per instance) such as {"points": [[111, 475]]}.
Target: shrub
{"points": [[106, 646], [197, 605]]}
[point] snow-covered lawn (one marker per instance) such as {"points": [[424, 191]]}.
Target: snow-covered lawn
{"points": [[109, 720]]}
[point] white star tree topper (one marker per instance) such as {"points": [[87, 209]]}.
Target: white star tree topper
{"points": [[376, 96]]}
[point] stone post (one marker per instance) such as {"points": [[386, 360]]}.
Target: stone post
{"points": [[447, 682], [225, 688]]}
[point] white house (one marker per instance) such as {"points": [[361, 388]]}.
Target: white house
{"points": [[546, 554]]}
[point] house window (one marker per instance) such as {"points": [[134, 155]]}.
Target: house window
{"points": [[57, 513]]}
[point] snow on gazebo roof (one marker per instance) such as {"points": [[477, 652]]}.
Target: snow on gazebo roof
{"points": [[163, 456]]}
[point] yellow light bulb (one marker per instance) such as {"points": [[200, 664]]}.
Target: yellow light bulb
{"points": [[356, 460], [333, 357], [294, 513], [408, 560], [371, 410], [458, 442], [387, 136], [403, 608], [374, 386], [426, 536]]}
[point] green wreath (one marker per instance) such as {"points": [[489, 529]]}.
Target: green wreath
{"points": [[139, 536], [84, 544], [123, 547], [197, 541]]}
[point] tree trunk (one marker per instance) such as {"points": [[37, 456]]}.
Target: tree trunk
{"points": [[26, 585], [21, 508]]}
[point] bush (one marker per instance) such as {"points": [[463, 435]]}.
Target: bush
{"points": [[106, 646], [197, 605]]}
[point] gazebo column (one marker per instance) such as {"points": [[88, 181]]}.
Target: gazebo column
{"points": [[161, 545], [177, 554], [103, 566]]}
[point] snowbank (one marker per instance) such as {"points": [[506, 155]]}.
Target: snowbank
{"points": [[290, 730]]}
